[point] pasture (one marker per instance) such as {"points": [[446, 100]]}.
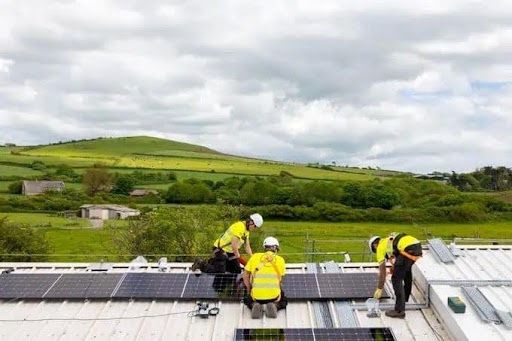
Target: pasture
{"points": [[164, 155]]}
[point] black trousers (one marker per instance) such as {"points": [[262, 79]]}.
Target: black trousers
{"points": [[220, 263], [283, 302], [402, 276]]}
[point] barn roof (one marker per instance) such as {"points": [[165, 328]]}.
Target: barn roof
{"points": [[484, 269]]}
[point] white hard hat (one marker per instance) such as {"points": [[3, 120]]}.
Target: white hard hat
{"points": [[257, 219], [371, 241], [270, 241]]}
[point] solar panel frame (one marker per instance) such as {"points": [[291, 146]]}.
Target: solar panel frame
{"points": [[151, 286], [317, 334], [84, 285], [27, 286]]}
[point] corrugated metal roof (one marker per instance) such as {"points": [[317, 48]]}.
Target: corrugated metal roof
{"points": [[174, 320]]}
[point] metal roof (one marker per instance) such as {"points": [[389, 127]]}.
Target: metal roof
{"points": [[113, 207], [435, 281]]}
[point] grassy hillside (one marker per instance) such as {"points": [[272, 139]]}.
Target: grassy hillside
{"points": [[150, 153]]}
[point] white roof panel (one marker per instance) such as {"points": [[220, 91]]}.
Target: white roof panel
{"points": [[173, 320]]}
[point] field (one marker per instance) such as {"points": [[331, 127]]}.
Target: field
{"points": [[73, 240], [6, 170], [153, 154]]}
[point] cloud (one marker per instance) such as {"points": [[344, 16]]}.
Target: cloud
{"points": [[397, 85]]}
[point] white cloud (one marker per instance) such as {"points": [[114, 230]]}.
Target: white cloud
{"points": [[396, 84]]}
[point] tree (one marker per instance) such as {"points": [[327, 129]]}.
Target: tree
{"points": [[173, 232], [20, 243], [16, 187], [95, 180], [123, 184], [65, 170]]}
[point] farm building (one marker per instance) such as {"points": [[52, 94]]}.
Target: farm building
{"points": [[39, 187], [166, 301], [104, 212], [140, 192]]}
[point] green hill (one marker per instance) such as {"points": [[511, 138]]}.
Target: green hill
{"points": [[150, 153]]}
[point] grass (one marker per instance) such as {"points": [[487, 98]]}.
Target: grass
{"points": [[4, 186], [72, 245], [46, 220], [18, 171]]}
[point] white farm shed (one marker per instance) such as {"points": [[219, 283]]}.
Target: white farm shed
{"points": [[105, 212]]}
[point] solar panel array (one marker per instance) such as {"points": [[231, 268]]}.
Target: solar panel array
{"points": [[311, 286], [324, 334]]}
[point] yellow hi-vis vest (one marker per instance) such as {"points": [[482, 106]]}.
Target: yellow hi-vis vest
{"points": [[266, 275]]}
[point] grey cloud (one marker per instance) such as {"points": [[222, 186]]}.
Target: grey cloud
{"points": [[352, 82]]}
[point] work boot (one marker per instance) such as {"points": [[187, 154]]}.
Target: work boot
{"points": [[197, 265], [256, 311], [271, 310], [394, 313]]}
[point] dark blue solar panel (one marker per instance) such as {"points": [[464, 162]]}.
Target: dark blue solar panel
{"points": [[301, 286], [214, 286], [347, 285], [316, 334], [84, 285], [15, 285], [151, 285]]}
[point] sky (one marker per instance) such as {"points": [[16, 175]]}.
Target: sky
{"points": [[400, 85]]}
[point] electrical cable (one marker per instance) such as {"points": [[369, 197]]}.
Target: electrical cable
{"points": [[98, 318]]}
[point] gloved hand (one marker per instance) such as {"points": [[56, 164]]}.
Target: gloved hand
{"points": [[242, 261], [377, 294]]}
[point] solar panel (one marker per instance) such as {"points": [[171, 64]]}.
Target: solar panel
{"points": [[151, 285], [217, 286], [14, 285], [84, 285], [301, 286], [347, 285], [318, 334]]}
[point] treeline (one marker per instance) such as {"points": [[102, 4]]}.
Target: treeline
{"points": [[483, 179], [400, 199]]}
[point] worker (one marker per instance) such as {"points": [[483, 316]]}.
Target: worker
{"points": [[402, 250], [263, 277], [225, 253]]}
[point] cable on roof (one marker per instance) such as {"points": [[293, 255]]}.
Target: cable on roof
{"points": [[98, 318]]}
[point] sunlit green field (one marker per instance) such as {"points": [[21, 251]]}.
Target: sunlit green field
{"points": [[158, 154]]}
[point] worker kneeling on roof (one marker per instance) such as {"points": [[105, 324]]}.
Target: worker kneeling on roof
{"points": [[225, 253], [402, 250], [263, 277]]}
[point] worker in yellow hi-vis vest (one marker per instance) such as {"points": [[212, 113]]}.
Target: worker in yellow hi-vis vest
{"points": [[225, 251], [402, 250], [263, 277]]}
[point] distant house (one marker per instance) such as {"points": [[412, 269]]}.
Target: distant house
{"points": [[139, 192], [444, 178], [39, 187], [104, 212]]}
